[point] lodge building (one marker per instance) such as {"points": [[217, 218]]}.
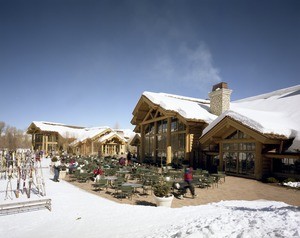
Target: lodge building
{"points": [[53, 137], [254, 137]]}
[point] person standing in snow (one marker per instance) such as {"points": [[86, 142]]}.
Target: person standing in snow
{"points": [[56, 168]]}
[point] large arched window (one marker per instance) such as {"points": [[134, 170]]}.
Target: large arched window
{"points": [[178, 133], [156, 134], [239, 156], [149, 142]]}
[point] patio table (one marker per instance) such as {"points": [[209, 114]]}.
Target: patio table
{"points": [[219, 176], [144, 170], [123, 172], [134, 186], [110, 179]]}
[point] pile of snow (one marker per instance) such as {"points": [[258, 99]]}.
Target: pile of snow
{"points": [[77, 213], [292, 184]]}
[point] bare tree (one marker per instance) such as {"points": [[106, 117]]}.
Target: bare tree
{"points": [[2, 126], [2, 139], [12, 138]]}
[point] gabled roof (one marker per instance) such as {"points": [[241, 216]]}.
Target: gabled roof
{"points": [[136, 140], [186, 107], [62, 129], [227, 125], [80, 133], [67, 131], [274, 113], [91, 133], [110, 136]]}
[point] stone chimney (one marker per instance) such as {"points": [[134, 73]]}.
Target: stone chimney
{"points": [[219, 98]]}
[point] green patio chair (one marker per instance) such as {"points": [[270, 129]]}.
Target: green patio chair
{"points": [[101, 184], [147, 186], [126, 191], [222, 175], [83, 177], [117, 185]]}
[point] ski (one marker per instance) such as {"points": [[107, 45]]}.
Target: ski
{"points": [[31, 167], [42, 177], [24, 178], [18, 182]]}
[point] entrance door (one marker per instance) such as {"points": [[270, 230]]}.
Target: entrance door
{"points": [[239, 162]]}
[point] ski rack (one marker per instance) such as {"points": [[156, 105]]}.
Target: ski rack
{"points": [[13, 208]]}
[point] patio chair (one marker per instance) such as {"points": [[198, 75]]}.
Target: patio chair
{"points": [[126, 191], [100, 184], [147, 186], [222, 175], [136, 175], [83, 177], [197, 180], [73, 177], [117, 185], [209, 181], [205, 181]]}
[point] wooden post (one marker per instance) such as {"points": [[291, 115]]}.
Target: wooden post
{"points": [[43, 142], [169, 147], [221, 168], [157, 160], [187, 143], [142, 155], [258, 169]]}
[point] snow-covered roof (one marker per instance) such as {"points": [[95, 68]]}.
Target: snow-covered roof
{"points": [[128, 133], [80, 133], [90, 133], [111, 135], [271, 113], [67, 131], [187, 107]]}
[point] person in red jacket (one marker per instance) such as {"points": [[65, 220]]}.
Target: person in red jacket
{"points": [[97, 173], [188, 178]]}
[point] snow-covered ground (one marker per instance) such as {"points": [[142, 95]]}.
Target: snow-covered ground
{"points": [[77, 213]]}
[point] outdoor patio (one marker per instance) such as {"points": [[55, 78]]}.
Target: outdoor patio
{"points": [[234, 188]]}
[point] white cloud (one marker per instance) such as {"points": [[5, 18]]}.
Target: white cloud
{"points": [[192, 65], [199, 67]]}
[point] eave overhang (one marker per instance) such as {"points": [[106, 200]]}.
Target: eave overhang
{"points": [[228, 125]]}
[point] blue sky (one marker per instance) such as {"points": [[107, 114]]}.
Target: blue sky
{"points": [[83, 62]]}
